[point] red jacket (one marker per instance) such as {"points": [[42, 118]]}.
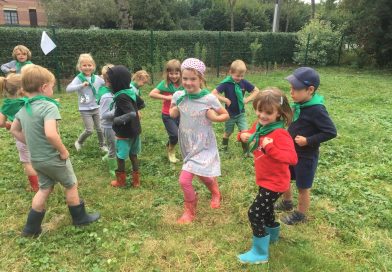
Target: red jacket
{"points": [[272, 162]]}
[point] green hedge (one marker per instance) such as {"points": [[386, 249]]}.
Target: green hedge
{"points": [[134, 48]]}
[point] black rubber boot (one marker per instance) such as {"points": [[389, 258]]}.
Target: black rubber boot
{"points": [[33, 224], [79, 215], [225, 144]]}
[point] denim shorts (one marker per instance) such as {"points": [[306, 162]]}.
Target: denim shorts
{"points": [[238, 120], [303, 173], [55, 170]]}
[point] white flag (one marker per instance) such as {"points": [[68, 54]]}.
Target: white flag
{"points": [[47, 44]]}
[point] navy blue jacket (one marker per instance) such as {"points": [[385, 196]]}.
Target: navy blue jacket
{"points": [[315, 124]]}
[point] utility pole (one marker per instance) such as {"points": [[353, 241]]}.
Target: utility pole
{"points": [[275, 23]]}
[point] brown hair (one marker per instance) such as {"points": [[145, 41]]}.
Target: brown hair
{"points": [[85, 56], [34, 77], [11, 85], [273, 98], [173, 65], [22, 49], [141, 75], [105, 69], [237, 66]]}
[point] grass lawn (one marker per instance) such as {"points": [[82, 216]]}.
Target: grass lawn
{"points": [[350, 220]]}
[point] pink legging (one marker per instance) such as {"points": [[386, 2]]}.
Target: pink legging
{"points": [[185, 181]]}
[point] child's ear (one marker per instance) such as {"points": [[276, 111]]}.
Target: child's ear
{"points": [[311, 89]]}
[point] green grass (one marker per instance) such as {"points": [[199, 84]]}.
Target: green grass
{"points": [[350, 218]]}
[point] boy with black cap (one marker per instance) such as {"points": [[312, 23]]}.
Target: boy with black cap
{"points": [[310, 127]]}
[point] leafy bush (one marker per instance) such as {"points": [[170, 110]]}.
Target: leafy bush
{"points": [[318, 44]]}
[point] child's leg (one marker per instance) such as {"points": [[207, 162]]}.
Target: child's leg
{"points": [[135, 170], [303, 200], [190, 198], [229, 128], [243, 125], [72, 196], [122, 146], [213, 187], [31, 175], [29, 170], [40, 198], [88, 127], [97, 126], [171, 126]]}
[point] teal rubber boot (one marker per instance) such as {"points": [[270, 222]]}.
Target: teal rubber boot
{"points": [[273, 232], [258, 253], [112, 163]]}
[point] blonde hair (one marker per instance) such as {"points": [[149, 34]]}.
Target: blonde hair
{"points": [[273, 98], [141, 75], [238, 66], [34, 77], [173, 65], [22, 49], [85, 56], [104, 71], [11, 85]]}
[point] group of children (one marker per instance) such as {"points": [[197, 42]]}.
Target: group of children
{"points": [[111, 104]]}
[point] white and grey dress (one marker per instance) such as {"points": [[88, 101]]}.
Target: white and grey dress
{"points": [[196, 135]]}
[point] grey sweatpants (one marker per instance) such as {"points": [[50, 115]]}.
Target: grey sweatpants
{"points": [[91, 120]]}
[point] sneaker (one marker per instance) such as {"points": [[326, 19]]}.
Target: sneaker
{"points": [[78, 146], [284, 205], [104, 148], [293, 219]]}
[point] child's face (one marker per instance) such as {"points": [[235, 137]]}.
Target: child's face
{"points": [[47, 89], [86, 67], [174, 76], [191, 81], [302, 95], [21, 56], [267, 117], [141, 82], [237, 76]]}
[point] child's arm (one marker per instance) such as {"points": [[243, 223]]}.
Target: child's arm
{"points": [[281, 148], [50, 128], [16, 131], [174, 112], [3, 121], [252, 95], [104, 108], [218, 115], [76, 85], [155, 93], [221, 98], [244, 135], [325, 126], [8, 67]]}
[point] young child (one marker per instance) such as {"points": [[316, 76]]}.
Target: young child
{"points": [[197, 109], [87, 84], [11, 87], [126, 124], [310, 127], [22, 56], [139, 79], [273, 151], [164, 91], [36, 125], [104, 99], [234, 87]]}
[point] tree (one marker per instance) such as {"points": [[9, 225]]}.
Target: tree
{"points": [[231, 8], [125, 19], [313, 3]]}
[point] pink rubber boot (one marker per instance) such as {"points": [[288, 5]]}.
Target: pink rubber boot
{"points": [[215, 194], [189, 212]]}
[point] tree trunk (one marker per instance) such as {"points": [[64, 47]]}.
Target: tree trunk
{"points": [[125, 20], [231, 5], [313, 8]]}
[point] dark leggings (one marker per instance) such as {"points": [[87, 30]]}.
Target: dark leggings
{"points": [[171, 125], [134, 162], [261, 212]]}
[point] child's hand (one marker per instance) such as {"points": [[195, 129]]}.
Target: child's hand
{"points": [[57, 99], [139, 114], [168, 97], [8, 125], [228, 102], [245, 137], [300, 140], [64, 154], [85, 84], [246, 101], [12, 70], [266, 141], [211, 115]]}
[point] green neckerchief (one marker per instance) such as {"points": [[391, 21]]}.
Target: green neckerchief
{"points": [[238, 91], [263, 130], [83, 78], [198, 95], [19, 65], [170, 87], [315, 100], [12, 106], [101, 91], [134, 85], [128, 92]]}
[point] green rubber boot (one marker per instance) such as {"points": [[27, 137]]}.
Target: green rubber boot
{"points": [[112, 163]]}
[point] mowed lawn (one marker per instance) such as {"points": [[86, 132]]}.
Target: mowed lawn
{"points": [[350, 220]]}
